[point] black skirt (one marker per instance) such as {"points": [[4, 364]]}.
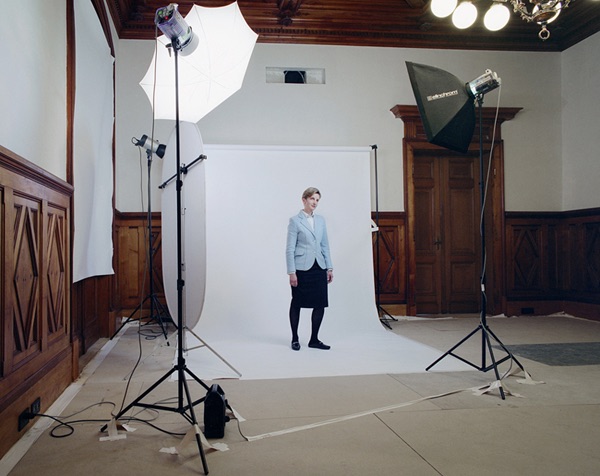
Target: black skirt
{"points": [[311, 291]]}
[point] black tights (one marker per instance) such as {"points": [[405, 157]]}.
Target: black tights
{"points": [[316, 320]]}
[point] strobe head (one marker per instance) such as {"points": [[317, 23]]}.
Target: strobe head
{"points": [[175, 28], [152, 146], [483, 84]]}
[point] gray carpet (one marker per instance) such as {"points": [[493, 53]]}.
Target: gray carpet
{"points": [[565, 354]]}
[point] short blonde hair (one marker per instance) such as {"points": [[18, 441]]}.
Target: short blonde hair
{"points": [[310, 191]]}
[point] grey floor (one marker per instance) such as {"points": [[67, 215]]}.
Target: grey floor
{"points": [[429, 423]]}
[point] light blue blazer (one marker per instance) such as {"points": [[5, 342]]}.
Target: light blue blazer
{"points": [[304, 245]]}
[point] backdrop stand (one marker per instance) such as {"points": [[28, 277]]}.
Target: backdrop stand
{"points": [[185, 403], [384, 316], [486, 332], [157, 310]]}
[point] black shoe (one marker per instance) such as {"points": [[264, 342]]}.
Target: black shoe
{"points": [[295, 345], [318, 345]]}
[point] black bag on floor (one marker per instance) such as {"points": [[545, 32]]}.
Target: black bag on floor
{"points": [[215, 406]]}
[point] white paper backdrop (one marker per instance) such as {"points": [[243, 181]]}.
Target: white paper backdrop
{"points": [[92, 147], [250, 194]]}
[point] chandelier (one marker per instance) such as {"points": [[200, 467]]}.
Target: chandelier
{"points": [[542, 12]]}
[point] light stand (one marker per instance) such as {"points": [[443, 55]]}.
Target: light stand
{"points": [[380, 310], [184, 168], [447, 109], [185, 404], [486, 332], [155, 305]]}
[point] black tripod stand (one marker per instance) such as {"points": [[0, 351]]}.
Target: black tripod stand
{"points": [[384, 316], [486, 332], [185, 404], [158, 312]]}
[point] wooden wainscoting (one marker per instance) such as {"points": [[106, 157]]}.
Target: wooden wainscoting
{"points": [[391, 269], [35, 282], [131, 245], [553, 262]]}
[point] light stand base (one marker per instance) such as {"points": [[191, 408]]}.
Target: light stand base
{"points": [[382, 313], [158, 316], [185, 410], [486, 347]]}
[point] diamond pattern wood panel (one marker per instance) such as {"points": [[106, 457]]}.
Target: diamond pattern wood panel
{"points": [[26, 283], [56, 261], [553, 256]]}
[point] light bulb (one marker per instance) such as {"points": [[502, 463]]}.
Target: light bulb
{"points": [[464, 15], [443, 8], [496, 17]]}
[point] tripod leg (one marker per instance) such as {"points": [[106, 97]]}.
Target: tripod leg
{"points": [[130, 318], [160, 311], [194, 421], [506, 350], [382, 312], [494, 364], [137, 401], [449, 352]]}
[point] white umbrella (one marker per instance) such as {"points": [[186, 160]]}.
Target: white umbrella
{"points": [[211, 73]]}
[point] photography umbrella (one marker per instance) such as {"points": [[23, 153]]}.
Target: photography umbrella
{"points": [[211, 73]]}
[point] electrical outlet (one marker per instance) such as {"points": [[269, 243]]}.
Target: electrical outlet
{"points": [[24, 418], [36, 406]]}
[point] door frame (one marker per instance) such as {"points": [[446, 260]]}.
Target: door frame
{"points": [[415, 142]]}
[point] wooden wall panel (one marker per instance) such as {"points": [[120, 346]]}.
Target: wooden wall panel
{"points": [[391, 270], [131, 252], [35, 290], [554, 257]]}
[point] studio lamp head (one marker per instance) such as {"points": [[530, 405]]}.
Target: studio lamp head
{"points": [[151, 146], [171, 23], [483, 84]]}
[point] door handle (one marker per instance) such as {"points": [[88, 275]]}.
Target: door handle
{"points": [[437, 243]]}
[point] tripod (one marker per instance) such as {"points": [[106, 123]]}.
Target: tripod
{"points": [[483, 328], [155, 304], [380, 310], [185, 404]]}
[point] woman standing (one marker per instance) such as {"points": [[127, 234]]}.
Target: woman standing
{"points": [[309, 267]]}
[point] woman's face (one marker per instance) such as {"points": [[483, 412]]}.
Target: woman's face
{"points": [[311, 203]]}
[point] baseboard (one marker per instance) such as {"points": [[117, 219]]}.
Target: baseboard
{"points": [[544, 308]]}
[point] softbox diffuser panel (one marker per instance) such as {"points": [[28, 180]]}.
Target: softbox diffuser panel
{"points": [[446, 107]]}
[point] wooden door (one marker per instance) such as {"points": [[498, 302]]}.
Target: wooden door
{"points": [[415, 146], [447, 239]]}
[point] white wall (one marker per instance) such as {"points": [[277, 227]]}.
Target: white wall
{"points": [[353, 109], [581, 124], [33, 83]]}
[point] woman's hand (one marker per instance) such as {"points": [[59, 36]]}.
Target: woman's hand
{"points": [[293, 280], [329, 275]]}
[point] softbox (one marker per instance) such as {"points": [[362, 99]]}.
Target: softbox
{"points": [[446, 106]]}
